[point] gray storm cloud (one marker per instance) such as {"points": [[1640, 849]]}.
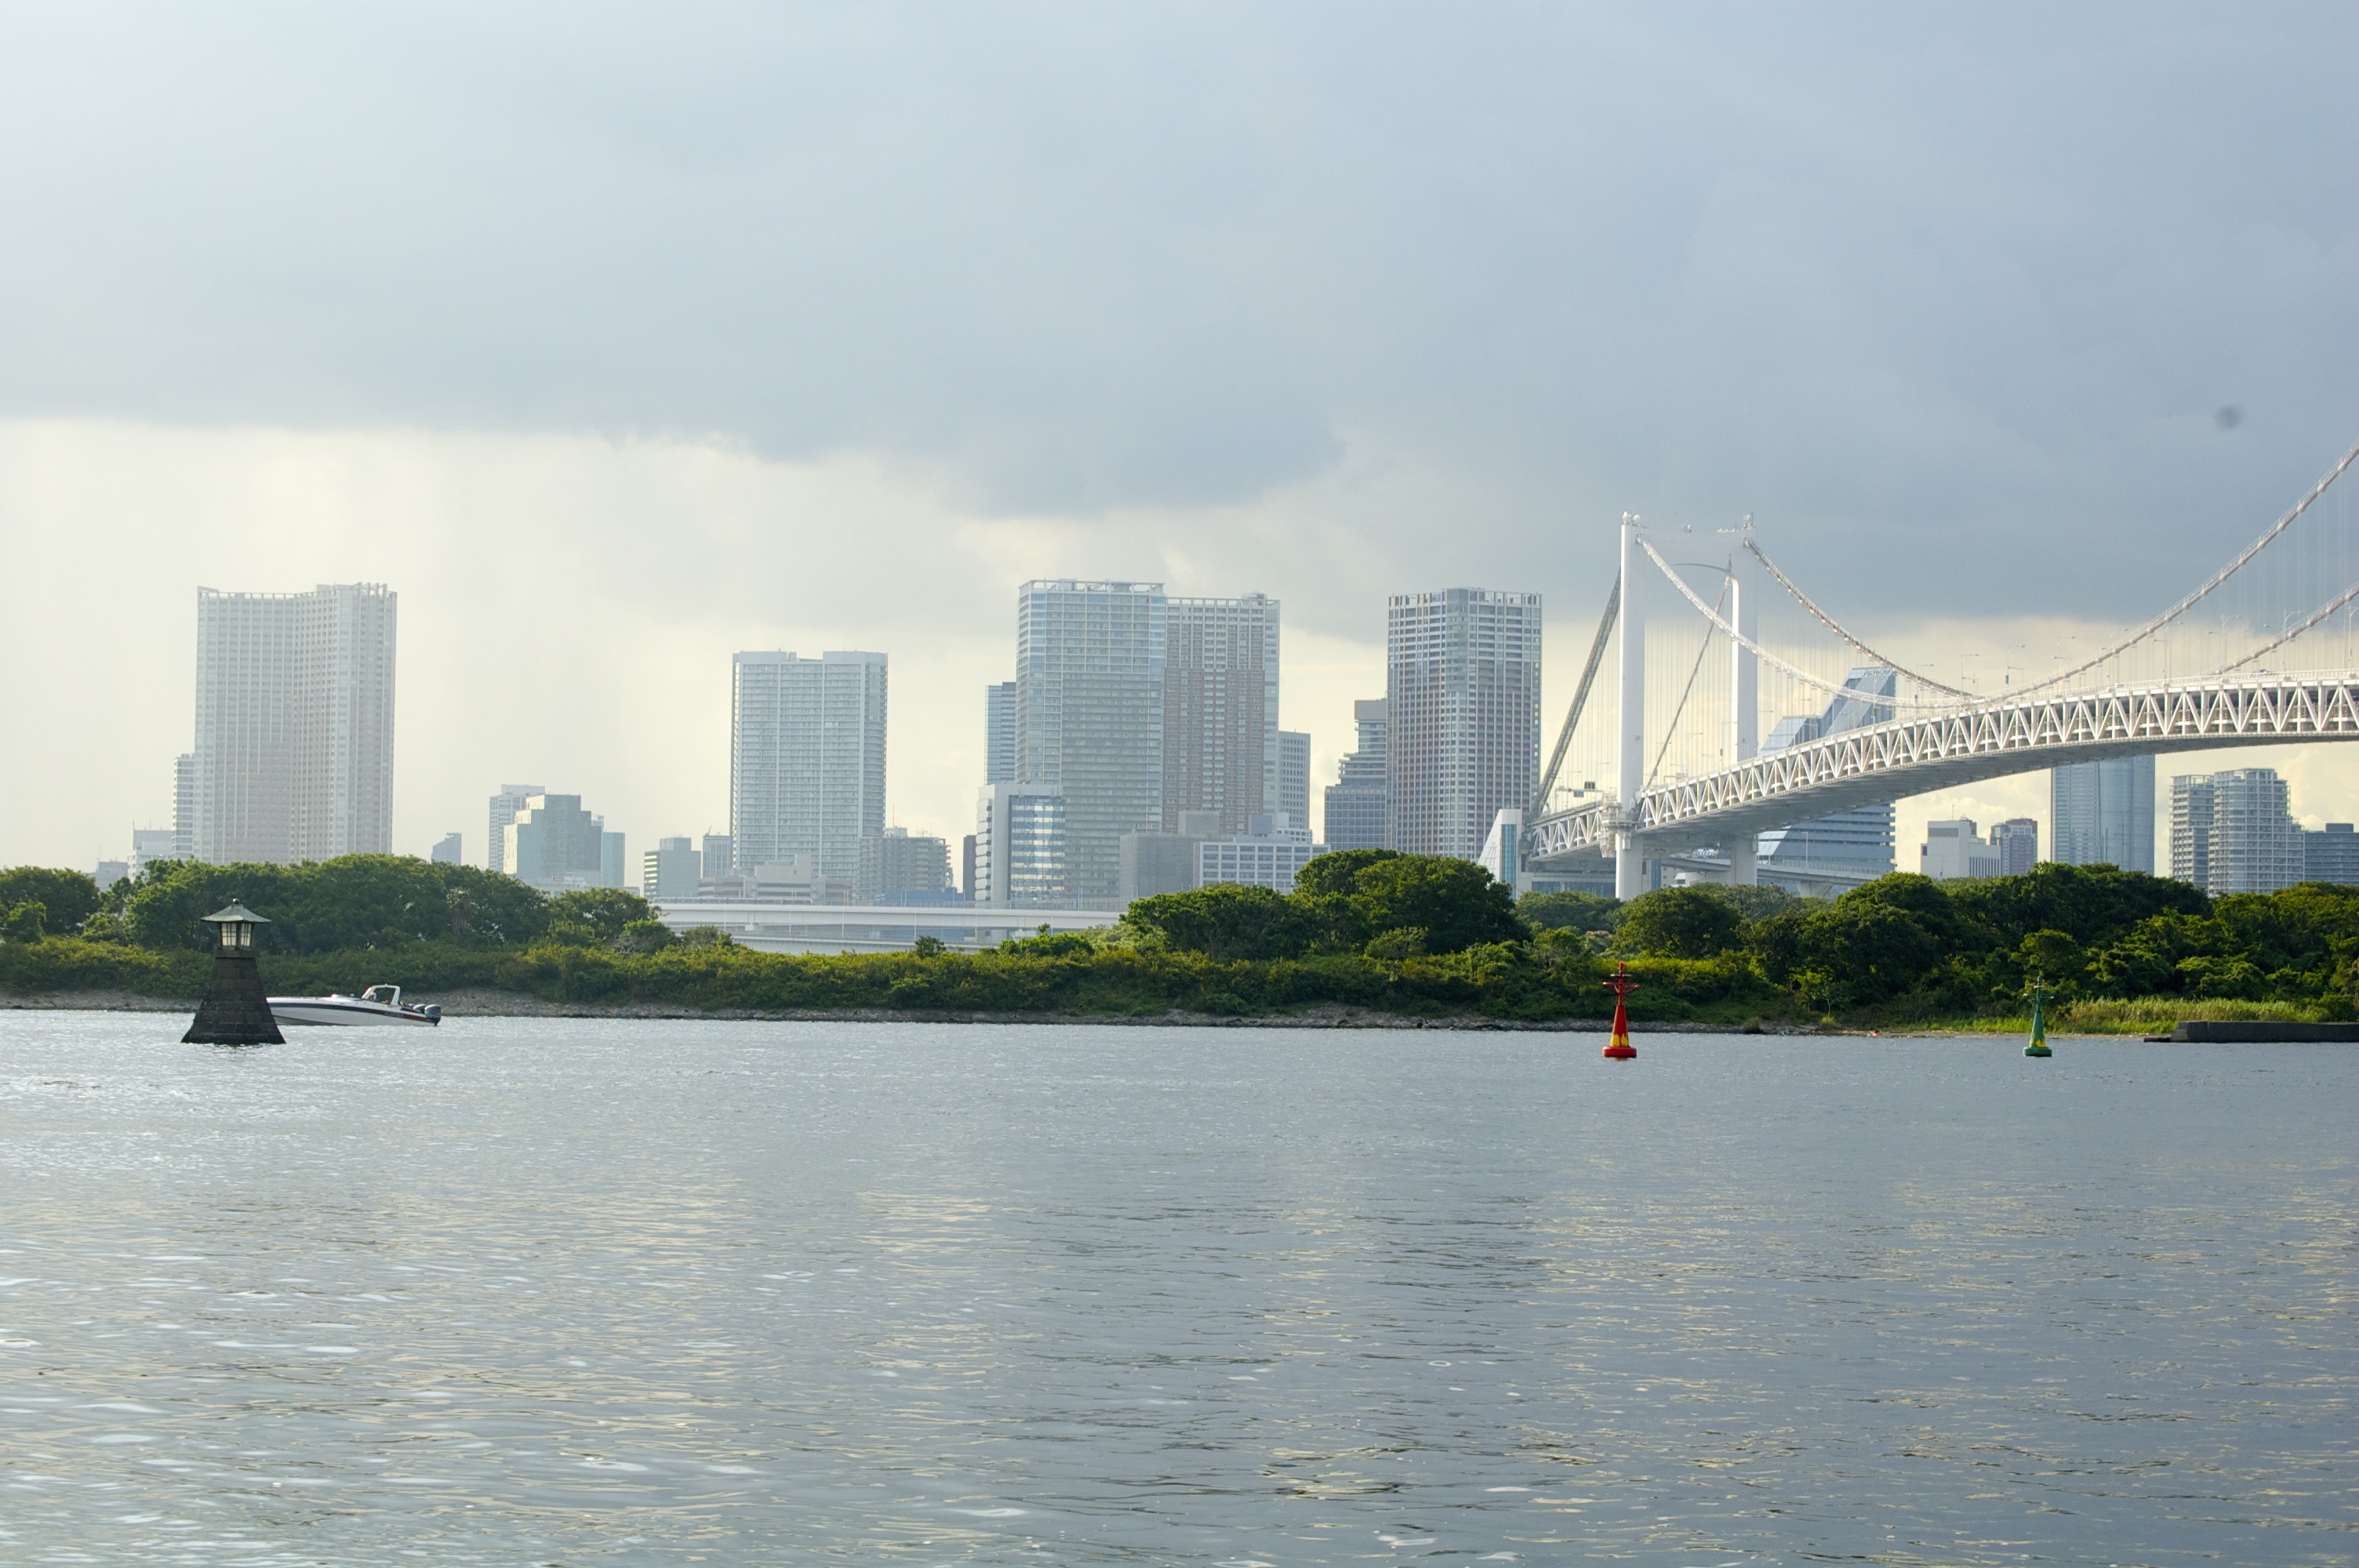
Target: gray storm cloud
{"points": [[1970, 281]]}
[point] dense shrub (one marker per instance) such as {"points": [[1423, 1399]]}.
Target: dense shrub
{"points": [[67, 898], [350, 903]]}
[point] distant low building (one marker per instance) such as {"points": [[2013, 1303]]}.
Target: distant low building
{"points": [[1270, 853], [556, 846], [2331, 856], [1156, 863], [896, 866], [109, 872], [671, 871], [504, 808], [451, 851], [2017, 842], [1955, 849], [150, 844]]}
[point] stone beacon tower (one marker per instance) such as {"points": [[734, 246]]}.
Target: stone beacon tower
{"points": [[234, 1011]]}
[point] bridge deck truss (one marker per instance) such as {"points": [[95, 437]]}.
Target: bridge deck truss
{"points": [[1881, 763]]}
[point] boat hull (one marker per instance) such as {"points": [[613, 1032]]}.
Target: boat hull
{"points": [[344, 1012]]}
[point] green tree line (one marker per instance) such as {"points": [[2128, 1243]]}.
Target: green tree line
{"points": [[1389, 931]]}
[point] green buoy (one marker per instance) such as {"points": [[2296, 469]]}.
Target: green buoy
{"points": [[2038, 1047]]}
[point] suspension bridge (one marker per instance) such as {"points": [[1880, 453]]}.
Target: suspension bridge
{"points": [[2271, 640]]}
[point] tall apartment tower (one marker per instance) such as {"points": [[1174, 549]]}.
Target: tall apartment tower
{"points": [[1089, 719], [1219, 708], [999, 732], [2231, 832], [1294, 777], [1355, 801], [807, 759], [294, 757], [1463, 711], [2102, 814]]}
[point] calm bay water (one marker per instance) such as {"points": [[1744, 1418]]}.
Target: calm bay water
{"points": [[562, 1291]]}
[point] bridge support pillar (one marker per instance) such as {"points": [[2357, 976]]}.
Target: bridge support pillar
{"points": [[1629, 866], [1630, 744], [1744, 869]]}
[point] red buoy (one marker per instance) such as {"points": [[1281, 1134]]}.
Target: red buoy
{"points": [[1619, 1048]]}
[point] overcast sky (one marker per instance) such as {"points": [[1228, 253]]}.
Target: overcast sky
{"points": [[618, 338]]}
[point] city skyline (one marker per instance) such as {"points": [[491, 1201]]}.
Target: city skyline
{"points": [[1910, 814], [608, 458]]}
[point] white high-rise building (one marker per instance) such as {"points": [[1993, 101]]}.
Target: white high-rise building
{"points": [[1020, 848], [1221, 749], [294, 755], [1462, 715], [1088, 720], [2231, 832], [807, 759]]}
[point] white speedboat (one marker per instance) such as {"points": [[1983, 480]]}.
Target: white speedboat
{"points": [[378, 1004]]}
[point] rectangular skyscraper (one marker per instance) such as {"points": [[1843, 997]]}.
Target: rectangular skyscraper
{"points": [[1294, 777], [807, 759], [294, 758], [1219, 708], [1088, 719], [999, 732], [1462, 707], [2102, 814], [184, 807], [1355, 801]]}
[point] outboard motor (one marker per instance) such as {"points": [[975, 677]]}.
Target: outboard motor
{"points": [[434, 1012]]}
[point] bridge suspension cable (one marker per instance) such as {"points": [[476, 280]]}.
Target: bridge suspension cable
{"points": [[1580, 696], [2287, 636], [2218, 577], [1694, 670], [1831, 624], [1709, 614]]}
